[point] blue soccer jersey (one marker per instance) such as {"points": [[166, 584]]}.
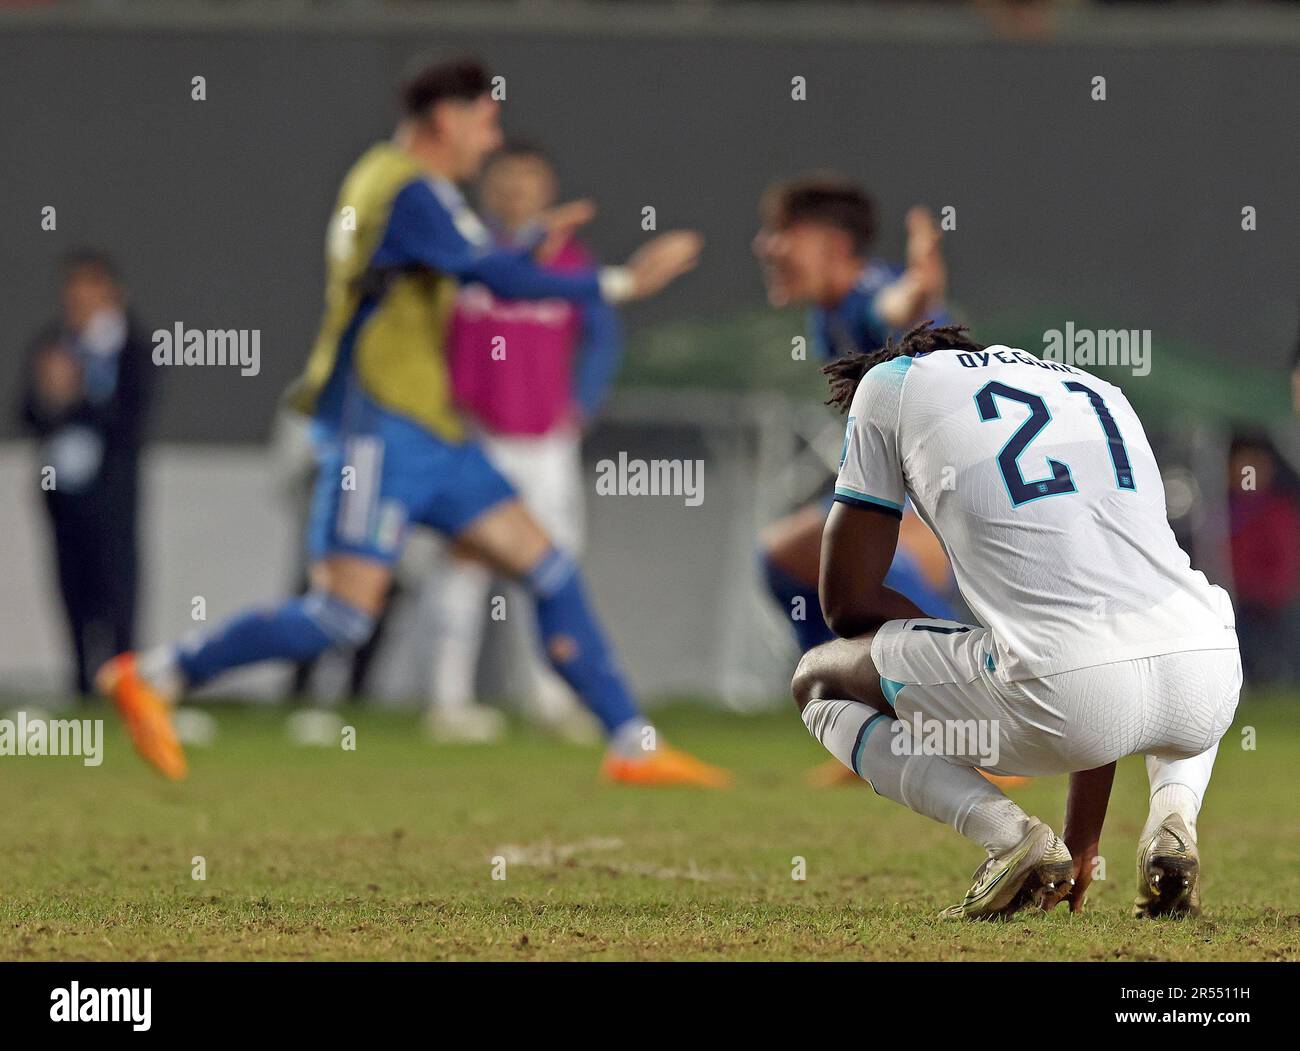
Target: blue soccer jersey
{"points": [[854, 325]]}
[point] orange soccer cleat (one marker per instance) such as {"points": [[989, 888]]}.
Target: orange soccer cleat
{"points": [[666, 766], [147, 715]]}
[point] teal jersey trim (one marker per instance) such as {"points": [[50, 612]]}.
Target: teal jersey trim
{"points": [[891, 688], [898, 366], [853, 496]]}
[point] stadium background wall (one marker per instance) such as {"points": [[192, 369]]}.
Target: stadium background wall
{"points": [[1124, 213], [217, 209]]}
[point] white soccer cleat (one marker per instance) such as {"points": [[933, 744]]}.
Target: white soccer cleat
{"points": [[471, 724], [1027, 874], [1169, 872]]}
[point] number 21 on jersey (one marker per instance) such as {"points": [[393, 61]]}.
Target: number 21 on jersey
{"points": [[1060, 481]]}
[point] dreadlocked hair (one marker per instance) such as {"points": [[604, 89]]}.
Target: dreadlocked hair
{"points": [[846, 373]]}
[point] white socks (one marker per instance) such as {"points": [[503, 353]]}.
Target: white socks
{"points": [[1177, 787], [159, 669], [1171, 799], [864, 741], [635, 739], [994, 822], [459, 597]]}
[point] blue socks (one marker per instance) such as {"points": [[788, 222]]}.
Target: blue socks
{"points": [[786, 588], [574, 644], [304, 627], [297, 630]]}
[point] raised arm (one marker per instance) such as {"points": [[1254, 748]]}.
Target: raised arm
{"points": [[919, 291], [422, 231]]}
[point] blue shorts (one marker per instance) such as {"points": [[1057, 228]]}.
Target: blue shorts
{"points": [[379, 473]]}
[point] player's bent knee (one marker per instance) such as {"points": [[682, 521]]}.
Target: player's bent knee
{"points": [[361, 583], [807, 682], [508, 538], [841, 669]]}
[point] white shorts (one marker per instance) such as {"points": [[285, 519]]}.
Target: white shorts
{"points": [[941, 678], [546, 469]]}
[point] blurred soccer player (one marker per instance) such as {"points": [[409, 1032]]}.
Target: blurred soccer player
{"points": [[1095, 638], [527, 375], [392, 449], [815, 249]]}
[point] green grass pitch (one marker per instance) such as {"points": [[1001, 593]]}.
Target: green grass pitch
{"points": [[386, 852]]}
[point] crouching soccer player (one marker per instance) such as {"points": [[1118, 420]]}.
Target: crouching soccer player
{"points": [[391, 448], [1096, 639]]}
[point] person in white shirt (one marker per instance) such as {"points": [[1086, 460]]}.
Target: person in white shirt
{"points": [[1095, 637]]}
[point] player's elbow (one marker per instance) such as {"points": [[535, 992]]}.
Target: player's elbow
{"points": [[837, 618], [843, 614]]}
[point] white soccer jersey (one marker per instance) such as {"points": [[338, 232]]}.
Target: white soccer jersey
{"points": [[1038, 479]]}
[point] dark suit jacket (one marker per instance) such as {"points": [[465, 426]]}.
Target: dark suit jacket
{"points": [[118, 420]]}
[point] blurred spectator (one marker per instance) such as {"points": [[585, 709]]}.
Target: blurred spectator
{"points": [[85, 395], [1264, 513]]}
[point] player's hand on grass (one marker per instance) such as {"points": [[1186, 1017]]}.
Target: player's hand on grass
{"points": [[1085, 858], [662, 260], [560, 222], [1085, 813]]}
